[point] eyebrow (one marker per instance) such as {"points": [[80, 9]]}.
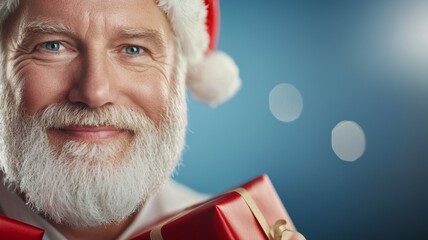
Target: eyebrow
{"points": [[44, 25], [41, 25], [150, 35]]}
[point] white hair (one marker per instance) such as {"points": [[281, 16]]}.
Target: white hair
{"points": [[6, 8]]}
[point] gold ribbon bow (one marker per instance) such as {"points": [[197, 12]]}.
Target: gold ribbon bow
{"points": [[278, 231]]}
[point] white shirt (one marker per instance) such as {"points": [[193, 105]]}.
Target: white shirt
{"points": [[171, 198]]}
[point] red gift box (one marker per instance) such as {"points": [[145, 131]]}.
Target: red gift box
{"points": [[12, 229], [252, 211]]}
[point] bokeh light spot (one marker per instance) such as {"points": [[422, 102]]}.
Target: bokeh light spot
{"points": [[285, 102], [348, 140]]}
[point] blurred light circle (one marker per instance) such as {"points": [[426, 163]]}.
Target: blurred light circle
{"points": [[409, 34], [397, 34], [348, 140], [285, 102]]}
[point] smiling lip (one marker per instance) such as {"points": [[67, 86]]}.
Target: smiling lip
{"points": [[88, 133]]}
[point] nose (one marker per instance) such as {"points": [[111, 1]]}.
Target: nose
{"points": [[94, 83]]}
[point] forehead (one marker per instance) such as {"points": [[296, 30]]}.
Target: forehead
{"points": [[94, 15]]}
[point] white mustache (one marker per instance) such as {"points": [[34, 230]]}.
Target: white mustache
{"points": [[65, 114]]}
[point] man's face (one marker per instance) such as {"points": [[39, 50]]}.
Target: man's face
{"points": [[94, 53], [94, 110]]}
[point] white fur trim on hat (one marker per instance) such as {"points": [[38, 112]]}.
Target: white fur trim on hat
{"points": [[215, 79], [212, 77], [187, 19]]}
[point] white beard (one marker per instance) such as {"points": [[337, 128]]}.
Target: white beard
{"points": [[91, 184]]}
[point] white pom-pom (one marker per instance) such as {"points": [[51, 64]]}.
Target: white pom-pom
{"points": [[215, 79]]}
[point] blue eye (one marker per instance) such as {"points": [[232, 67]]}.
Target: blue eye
{"points": [[133, 50], [52, 46]]}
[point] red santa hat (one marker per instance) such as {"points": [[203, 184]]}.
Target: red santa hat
{"points": [[212, 76]]}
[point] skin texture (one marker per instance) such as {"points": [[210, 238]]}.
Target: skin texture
{"points": [[83, 58], [91, 66], [92, 53]]}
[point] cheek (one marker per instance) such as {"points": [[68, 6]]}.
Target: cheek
{"points": [[151, 94], [42, 86]]}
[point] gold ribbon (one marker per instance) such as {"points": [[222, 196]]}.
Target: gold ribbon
{"points": [[278, 231]]}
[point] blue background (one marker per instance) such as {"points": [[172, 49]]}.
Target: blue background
{"points": [[341, 56]]}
